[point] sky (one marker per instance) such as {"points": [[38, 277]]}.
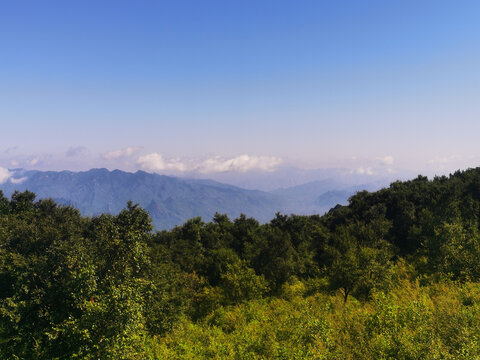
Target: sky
{"points": [[217, 86]]}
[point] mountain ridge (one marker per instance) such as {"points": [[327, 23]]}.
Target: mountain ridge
{"points": [[172, 200]]}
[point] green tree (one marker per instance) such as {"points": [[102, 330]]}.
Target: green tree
{"points": [[72, 288], [240, 283], [358, 269]]}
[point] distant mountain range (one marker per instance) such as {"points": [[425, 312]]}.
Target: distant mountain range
{"points": [[172, 200], [290, 176]]}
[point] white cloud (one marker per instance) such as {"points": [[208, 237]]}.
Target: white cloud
{"points": [[156, 162], [75, 151], [4, 175], [18, 180], [387, 160], [7, 175], [363, 171], [443, 160], [122, 153], [34, 161], [242, 163], [442, 163]]}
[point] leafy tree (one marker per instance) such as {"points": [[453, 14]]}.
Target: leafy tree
{"points": [[355, 268], [72, 289], [274, 257], [240, 283]]}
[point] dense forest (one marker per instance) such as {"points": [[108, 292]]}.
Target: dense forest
{"points": [[393, 275]]}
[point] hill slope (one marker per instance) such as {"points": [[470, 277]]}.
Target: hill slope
{"points": [[170, 201]]}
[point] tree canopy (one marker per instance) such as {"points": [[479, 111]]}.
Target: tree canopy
{"points": [[110, 287]]}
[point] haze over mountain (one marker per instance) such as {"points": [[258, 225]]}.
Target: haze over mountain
{"points": [[291, 176], [172, 200]]}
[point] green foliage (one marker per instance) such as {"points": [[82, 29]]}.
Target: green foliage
{"points": [[358, 266], [71, 287], [411, 322], [393, 275], [240, 283]]}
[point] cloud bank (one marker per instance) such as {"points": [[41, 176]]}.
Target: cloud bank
{"points": [[75, 151], [5, 174], [243, 163], [122, 153], [387, 160], [362, 171], [156, 162]]}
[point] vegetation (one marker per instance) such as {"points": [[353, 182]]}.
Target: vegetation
{"points": [[393, 275]]}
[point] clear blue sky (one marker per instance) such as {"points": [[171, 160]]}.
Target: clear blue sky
{"points": [[319, 83]]}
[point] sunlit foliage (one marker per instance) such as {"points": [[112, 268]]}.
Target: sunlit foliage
{"points": [[393, 275]]}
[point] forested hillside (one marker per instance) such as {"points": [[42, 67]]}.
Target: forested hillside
{"points": [[170, 200], [393, 275]]}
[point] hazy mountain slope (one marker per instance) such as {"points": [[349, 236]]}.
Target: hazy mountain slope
{"points": [[171, 200], [289, 176], [320, 196]]}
